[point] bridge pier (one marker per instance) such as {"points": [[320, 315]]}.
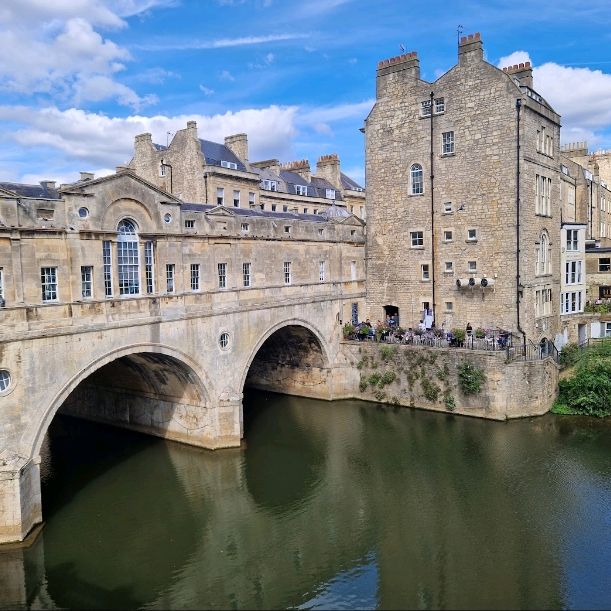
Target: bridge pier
{"points": [[20, 499]]}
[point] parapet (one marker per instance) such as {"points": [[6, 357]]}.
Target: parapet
{"points": [[575, 149], [407, 61]]}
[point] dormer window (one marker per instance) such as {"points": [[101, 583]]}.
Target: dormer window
{"points": [[270, 185], [330, 193], [229, 164], [301, 190], [440, 105], [425, 108]]}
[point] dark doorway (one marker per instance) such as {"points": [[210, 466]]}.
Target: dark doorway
{"points": [[392, 314]]}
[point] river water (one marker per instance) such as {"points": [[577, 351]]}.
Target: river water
{"points": [[328, 505]]}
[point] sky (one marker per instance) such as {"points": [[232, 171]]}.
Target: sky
{"points": [[80, 78]]}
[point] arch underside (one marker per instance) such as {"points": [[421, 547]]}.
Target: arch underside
{"points": [[291, 361]]}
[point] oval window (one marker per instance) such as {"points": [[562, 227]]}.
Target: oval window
{"points": [[83, 212], [167, 218], [5, 380], [224, 340]]}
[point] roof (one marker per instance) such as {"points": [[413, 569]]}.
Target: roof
{"points": [[215, 153], [253, 212], [348, 183], [160, 147], [35, 191]]}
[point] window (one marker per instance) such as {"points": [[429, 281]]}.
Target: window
{"points": [[107, 261], [236, 198], [417, 238], [607, 331], [321, 271], [245, 227], [224, 340], [128, 265], [572, 272], [246, 274], [229, 164], [447, 235], [162, 167], [287, 229], [417, 180], [83, 212], [543, 302], [149, 270], [86, 281], [252, 199], [472, 267], [440, 105], [315, 211], [449, 306], [48, 279], [167, 218], [285, 208], [195, 276], [543, 187], [543, 255], [425, 271], [222, 272], [273, 207], [301, 190], [472, 235], [5, 380], [447, 143], [571, 302], [305, 210], [220, 196], [572, 239], [449, 267], [330, 193], [169, 277], [1, 287], [352, 270], [425, 108], [189, 224], [321, 232], [604, 264], [270, 185], [287, 272], [447, 208]]}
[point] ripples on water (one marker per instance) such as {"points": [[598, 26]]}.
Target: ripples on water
{"points": [[328, 505]]}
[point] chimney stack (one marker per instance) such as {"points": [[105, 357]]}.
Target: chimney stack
{"points": [[402, 68], [470, 48], [327, 167], [87, 176], [523, 72], [273, 165], [301, 167], [47, 184], [238, 145]]}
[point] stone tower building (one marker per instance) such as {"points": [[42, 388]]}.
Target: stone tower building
{"points": [[463, 197]]}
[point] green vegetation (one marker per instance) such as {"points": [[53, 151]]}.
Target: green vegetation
{"points": [[569, 355], [459, 334], [348, 330], [449, 401], [363, 385], [429, 389], [374, 379], [588, 392], [388, 377], [601, 308], [387, 352], [471, 378]]}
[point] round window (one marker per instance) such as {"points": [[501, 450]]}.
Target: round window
{"points": [[224, 340], [83, 213], [167, 218], [5, 380]]}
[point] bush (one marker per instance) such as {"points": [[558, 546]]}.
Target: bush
{"points": [[569, 355], [387, 352], [387, 378], [348, 330], [480, 333], [363, 385], [470, 378], [429, 390], [374, 379], [459, 334], [449, 402]]}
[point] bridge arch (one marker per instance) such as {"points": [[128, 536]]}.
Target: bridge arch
{"points": [[157, 371], [291, 357]]}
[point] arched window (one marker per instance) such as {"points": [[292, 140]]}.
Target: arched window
{"points": [[416, 179], [543, 255], [128, 266]]}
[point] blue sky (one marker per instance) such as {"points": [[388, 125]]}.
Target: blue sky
{"points": [[80, 78]]}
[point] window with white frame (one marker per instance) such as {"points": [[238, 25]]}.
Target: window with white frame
{"points": [[321, 271], [301, 190], [425, 108], [543, 188], [162, 167], [425, 272], [572, 272], [232, 165], [252, 199], [471, 235], [330, 193], [189, 224], [270, 185], [440, 105], [86, 281], [448, 235], [417, 238], [571, 302], [245, 228], [195, 268], [447, 207], [447, 143], [236, 198], [416, 179], [543, 255], [572, 239], [107, 264], [449, 267], [220, 196], [449, 306], [48, 280], [2, 283], [604, 264], [170, 269], [222, 274], [305, 210], [287, 272], [246, 274], [273, 207], [128, 264], [149, 267], [607, 329], [352, 270], [472, 267]]}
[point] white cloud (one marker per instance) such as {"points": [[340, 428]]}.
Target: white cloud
{"points": [[206, 90], [517, 57], [225, 75], [220, 43], [156, 76], [326, 114]]}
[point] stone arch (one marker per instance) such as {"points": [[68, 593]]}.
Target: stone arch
{"points": [[292, 326], [186, 367], [127, 207]]}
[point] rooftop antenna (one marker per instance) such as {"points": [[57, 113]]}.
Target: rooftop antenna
{"points": [[402, 47], [459, 31]]}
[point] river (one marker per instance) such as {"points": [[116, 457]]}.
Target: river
{"points": [[327, 505]]}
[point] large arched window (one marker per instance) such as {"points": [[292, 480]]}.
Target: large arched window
{"points": [[543, 255], [416, 179], [128, 266]]}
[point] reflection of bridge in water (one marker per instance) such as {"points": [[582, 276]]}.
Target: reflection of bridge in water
{"points": [[447, 513]]}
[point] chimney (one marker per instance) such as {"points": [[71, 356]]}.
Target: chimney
{"points": [[87, 176], [238, 145], [402, 68], [47, 184], [301, 167], [327, 167], [470, 48], [273, 165], [192, 129], [121, 168], [523, 72], [575, 149]]}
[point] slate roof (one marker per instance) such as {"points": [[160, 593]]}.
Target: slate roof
{"points": [[34, 191], [215, 153], [348, 183], [253, 212], [160, 147]]}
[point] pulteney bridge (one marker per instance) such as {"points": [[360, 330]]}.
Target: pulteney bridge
{"points": [[119, 310]]}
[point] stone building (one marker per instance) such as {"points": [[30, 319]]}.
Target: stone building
{"points": [[197, 170], [463, 192]]}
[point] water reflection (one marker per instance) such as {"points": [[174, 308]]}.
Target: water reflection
{"points": [[328, 505]]}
